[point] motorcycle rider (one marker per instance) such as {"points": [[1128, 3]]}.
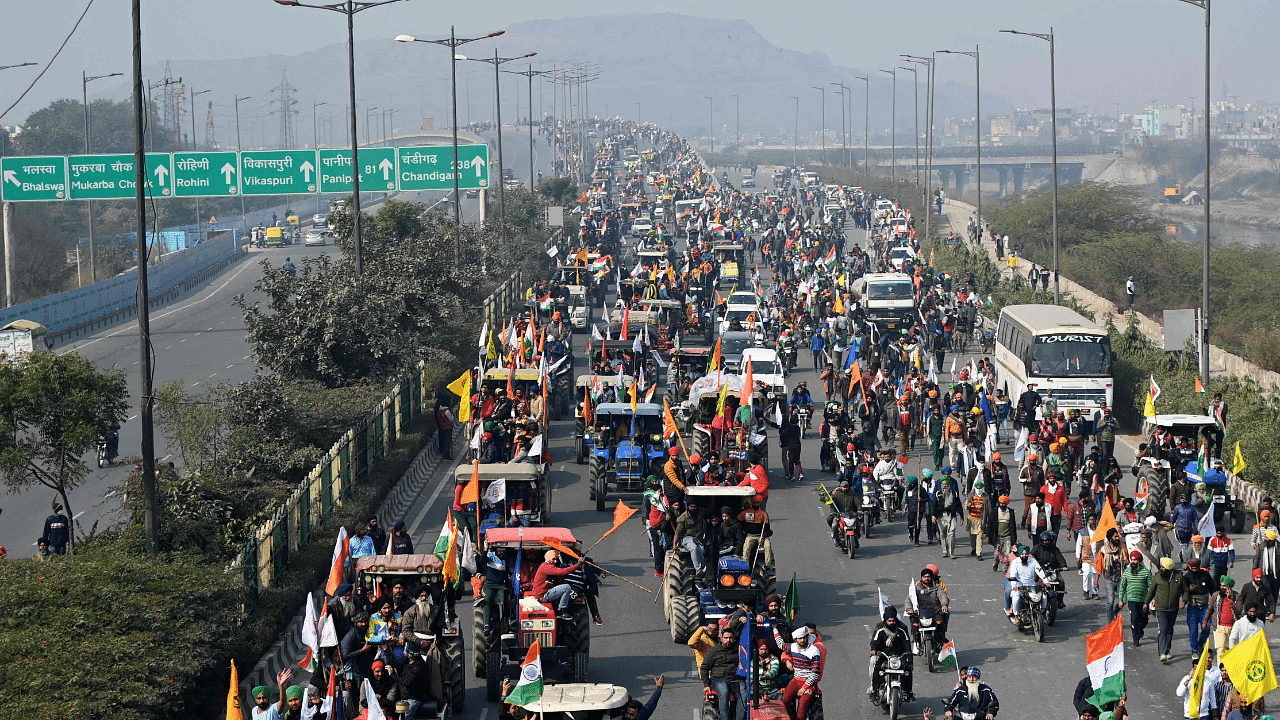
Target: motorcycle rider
{"points": [[1050, 557], [1022, 574], [800, 398], [886, 474], [843, 502], [973, 698], [929, 597], [888, 639]]}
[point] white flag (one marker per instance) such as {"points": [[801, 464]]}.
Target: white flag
{"points": [[484, 335], [496, 492], [1207, 527], [535, 450], [310, 636], [595, 333], [475, 439], [328, 634], [637, 346], [884, 602], [371, 700]]}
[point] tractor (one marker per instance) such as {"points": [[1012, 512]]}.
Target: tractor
{"points": [[688, 603], [375, 573], [698, 411], [1161, 478], [565, 643], [527, 495], [625, 447], [609, 387], [687, 364]]}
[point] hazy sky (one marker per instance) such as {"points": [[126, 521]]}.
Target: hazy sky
{"points": [[1108, 51]]}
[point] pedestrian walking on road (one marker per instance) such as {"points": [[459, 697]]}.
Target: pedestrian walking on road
{"points": [[1130, 290], [1164, 596], [1135, 581], [947, 511]]}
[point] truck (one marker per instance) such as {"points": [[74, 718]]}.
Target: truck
{"points": [[889, 299]]}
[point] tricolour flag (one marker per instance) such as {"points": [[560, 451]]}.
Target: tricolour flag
{"points": [[529, 689], [310, 638], [1104, 656], [947, 657], [1250, 668], [341, 552]]}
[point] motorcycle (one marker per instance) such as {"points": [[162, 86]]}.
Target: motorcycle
{"points": [[1032, 612], [827, 456], [867, 514], [804, 414], [926, 632], [788, 359], [847, 529], [102, 453], [888, 499], [890, 695], [1056, 592]]}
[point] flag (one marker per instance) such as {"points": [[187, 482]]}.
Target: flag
{"points": [[450, 570], [839, 308], [1199, 386], [724, 395], [1149, 410], [831, 257], [341, 552], [746, 649], [529, 688], [791, 602], [332, 702], [1104, 656], [884, 601], [631, 393], [328, 633], [1217, 417], [947, 657], [626, 317], [1195, 693], [669, 426], [747, 385], [878, 380], [310, 638], [1140, 500], [371, 700], [1238, 465], [620, 515], [714, 365], [234, 711], [1207, 528], [1250, 668], [595, 333], [491, 350], [462, 388], [471, 493], [1202, 458], [496, 492], [987, 411], [825, 496], [586, 407], [648, 395], [559, 547]]}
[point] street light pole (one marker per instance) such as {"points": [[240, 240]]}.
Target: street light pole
{"points": [[453, 42], [737, 121], [529, 74], [823, 89], [711, 113], [893, 128], [1208, 132], [915, 80], [977, 119], [795, 137], [1053, 111], [244, 223], [844, 145], [929, 63], [497, 90], [193, 147], [315, 132], [866, 124], [350, 8], [85, 79]]}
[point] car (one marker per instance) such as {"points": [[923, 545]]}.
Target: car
{"points": [[899, 254], [472, 194], [732, 345], [742, 297], [748, 181], [743, 314], [641, 226], [767, 369], [320, 219]]}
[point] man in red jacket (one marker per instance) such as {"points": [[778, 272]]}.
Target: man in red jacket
{"points": [[1055, 496], [542, 582]]}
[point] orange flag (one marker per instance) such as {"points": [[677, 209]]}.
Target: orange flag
{"points": [[1107, 522], [669, 426], [586, 407], [714, 365], [1199, 387], [620, 515], [855, 371], [471, 493], [747, 385], [556, 545], [626, 316]]}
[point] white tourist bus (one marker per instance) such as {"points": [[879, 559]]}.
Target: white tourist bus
{"points": [[1054, 348]]}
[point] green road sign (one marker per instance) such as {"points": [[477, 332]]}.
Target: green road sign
{"points": [[34, 178], [278, 172], [430, 167], [377, 170], [110, 177], [206, 174]]}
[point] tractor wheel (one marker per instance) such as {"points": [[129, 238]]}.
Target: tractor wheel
{"points": [[597, 469], [581, 662], [481, 641], [710, 710], [676, 581], [815, 710], [580, 451], [577, 631], [1237, 516], [493, 679], [770, 584], [701, 444], [685, 617], [1157, 493], [455, 674]]}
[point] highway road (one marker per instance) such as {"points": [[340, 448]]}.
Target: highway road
{"points": [[839, 595]]}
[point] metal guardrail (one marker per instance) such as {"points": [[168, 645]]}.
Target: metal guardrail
{"points": [[348, 463]]}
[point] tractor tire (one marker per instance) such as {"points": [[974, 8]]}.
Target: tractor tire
{"points": [[1237, 516], [1158, 493], [580, 451], [710, 710], [815, 710], [480, 640], [597, 469], [701, 444], [577, 631], [677, 580], [770, 584], [685, 618], [455, 674], [493, 678], [581, 666]]}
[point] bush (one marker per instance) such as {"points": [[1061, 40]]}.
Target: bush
{"points": [[107, 634]]}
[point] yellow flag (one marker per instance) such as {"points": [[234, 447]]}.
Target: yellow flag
{"points": [[234, 711], [1238, 465], [1250, 668], [724, 395], [631, 393], [491, 351], [839, 305], [1196, 691], [462, 386]]}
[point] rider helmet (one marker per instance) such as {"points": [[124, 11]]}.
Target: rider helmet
{"points": [[1046, 538]]}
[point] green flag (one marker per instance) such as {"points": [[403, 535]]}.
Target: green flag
{"points": [[791, 603], [823, 495]]}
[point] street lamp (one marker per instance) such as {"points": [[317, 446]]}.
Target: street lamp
{"points": [[497, 90], [977, 118], [795, 137], [349, 8], [10, 67], [315, 141], [85, 79], [1053, 112], [711, 113], [893, 128], [915, 113], [243, 221], [737, 120], [453, 42], [368, 134], [844, 144], [193, 147], [866, 124], [1204, 283], [929, 64], [822, 89], [529, 74]]}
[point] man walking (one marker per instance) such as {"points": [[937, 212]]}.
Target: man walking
{"points": [[1129, 291], [1164, 596]]}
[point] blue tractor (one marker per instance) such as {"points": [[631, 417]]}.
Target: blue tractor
{"points": [[625, 447]]}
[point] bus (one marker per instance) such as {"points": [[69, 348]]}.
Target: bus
{"points": [[1054, 348]]}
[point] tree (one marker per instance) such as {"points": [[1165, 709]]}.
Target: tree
{"points": [[559, 190], [53, 409]]}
